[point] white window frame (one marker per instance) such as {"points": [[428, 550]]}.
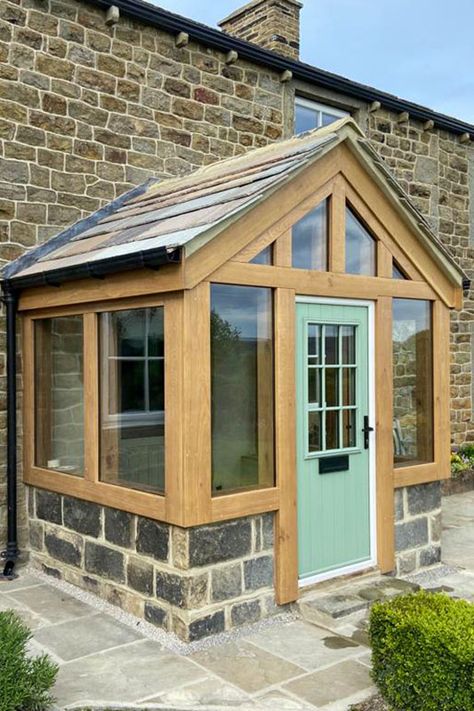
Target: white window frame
{"points": [[128, 419], [320, 109]]}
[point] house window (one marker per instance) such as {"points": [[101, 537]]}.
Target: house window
{"points": [[132, 425], [310, 239], [309, 115], [242, 409], [264, 257], [59, 394], [360, 247], [412, 382]]}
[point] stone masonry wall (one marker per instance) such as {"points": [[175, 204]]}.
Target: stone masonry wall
{"points": [[433, 167], [417, 527], [88, 110], [193, 582]]}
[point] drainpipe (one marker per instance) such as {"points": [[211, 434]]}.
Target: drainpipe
{"points": [[10, 555]]}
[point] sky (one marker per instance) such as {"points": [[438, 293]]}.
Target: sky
{"points": [[420, 50]]}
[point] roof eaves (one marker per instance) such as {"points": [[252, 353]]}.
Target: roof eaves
{"points": [[168, 21], [26, 260]]}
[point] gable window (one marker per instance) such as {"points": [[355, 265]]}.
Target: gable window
{"points": [[310, 239], [360, 247], [264, 257], [132, 398], [310, 114], [397, 272]]}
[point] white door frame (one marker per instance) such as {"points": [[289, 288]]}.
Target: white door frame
{"points": [[372, 561]]}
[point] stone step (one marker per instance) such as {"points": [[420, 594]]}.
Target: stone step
{"points": [[326, 605]]}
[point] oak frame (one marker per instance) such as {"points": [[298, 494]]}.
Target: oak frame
{"points": [[184, 291]]}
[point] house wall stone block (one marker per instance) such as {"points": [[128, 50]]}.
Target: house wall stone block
{"points": [[152, 570]]}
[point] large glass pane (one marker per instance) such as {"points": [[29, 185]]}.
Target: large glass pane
{"points": [[309, 240], [360, 247], [59, 394], [132, 423], [412, 382], [241, 388]]}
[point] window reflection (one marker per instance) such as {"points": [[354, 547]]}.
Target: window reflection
{"points": [[360, 247], [412, 382], [241, 388], [309, 240]]}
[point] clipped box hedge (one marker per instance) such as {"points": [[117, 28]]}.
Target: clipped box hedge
{"points": [[423, 652]]}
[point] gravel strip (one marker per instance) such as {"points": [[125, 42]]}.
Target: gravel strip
{"points": [[166, 639]]}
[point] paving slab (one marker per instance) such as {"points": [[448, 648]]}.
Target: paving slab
{"points": [[246, 666], [210, 691], [333, 684], [86, 635], [124, 675], [278, 700], [305, 645], [52, 604]]}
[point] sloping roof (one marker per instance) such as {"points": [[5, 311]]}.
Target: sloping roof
{"points": [[209, 36], [154, 223]]}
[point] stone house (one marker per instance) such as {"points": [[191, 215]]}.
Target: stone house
{"points": [[97, 99]]}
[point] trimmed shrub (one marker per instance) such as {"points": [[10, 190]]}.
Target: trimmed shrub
{"points": [[25, 681], [423, 652]]}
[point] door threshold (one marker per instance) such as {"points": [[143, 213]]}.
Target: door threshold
{"points": [[366, 566]]}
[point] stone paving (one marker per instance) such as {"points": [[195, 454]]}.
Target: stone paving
{"points": [[284, 664]]}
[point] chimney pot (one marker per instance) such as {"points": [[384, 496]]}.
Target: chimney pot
{"points": [[272, 24]]}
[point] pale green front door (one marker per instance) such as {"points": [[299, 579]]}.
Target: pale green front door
{"points": [[333, 455]]}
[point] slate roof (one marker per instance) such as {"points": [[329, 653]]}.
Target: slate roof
{"points": [[157, 221]]}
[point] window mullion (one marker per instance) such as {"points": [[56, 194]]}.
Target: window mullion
{"points": [[91, 397]]}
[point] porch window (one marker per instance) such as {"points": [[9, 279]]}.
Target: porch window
{"points": [[241, 388], [412, 382], [59, 394], [132, 398], [310, 239], [360, 247]]}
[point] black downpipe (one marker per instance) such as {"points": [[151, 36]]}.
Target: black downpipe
{"points": [[10, 555]]}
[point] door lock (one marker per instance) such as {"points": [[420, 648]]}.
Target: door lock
{"points": [[366, 430]]}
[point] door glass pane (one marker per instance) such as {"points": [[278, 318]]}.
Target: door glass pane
{"points": [[132, 409], [348, 428], [412, 382], [264, 257], [332, 345], [332, 387], [314, 432], [347, 334], [309, 240], [314, 343], [242, 388], [360, 247], [59, 394], [314, 386], [332, 429], [348, 386]]}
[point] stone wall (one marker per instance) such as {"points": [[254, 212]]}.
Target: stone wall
{"points": [[193, 582], [417, 527], [89, 110], [433, 167]]}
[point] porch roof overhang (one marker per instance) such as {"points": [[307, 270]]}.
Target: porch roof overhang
{"points": [[161, 221]]}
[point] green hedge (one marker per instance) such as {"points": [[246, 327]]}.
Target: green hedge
{"points": [[25, 681], [423, 652]]}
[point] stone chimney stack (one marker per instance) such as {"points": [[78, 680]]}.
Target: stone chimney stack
{"points": [[272, 24]]}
